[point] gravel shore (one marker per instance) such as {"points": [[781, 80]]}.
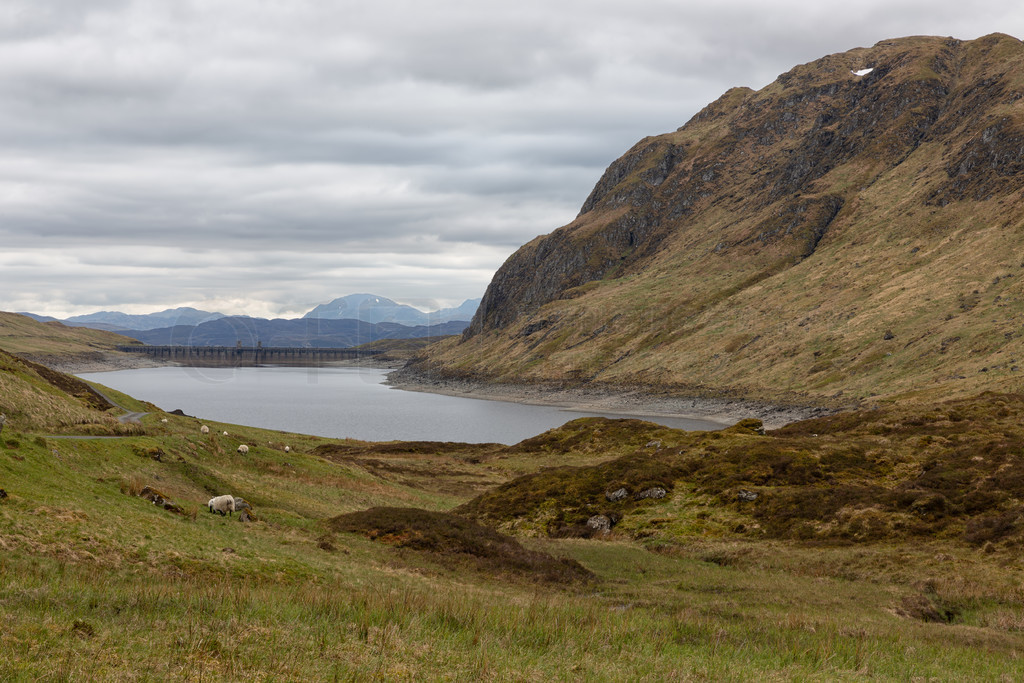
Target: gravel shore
{"points": [[629, 402], [110, 361], [99, 361], [622, 401]]}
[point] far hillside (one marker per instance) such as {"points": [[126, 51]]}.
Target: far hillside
{"points": [[850, 233], [53, 343]]}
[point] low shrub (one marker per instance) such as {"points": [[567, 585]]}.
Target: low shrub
{"points": [[993, 528], [453, 538]]}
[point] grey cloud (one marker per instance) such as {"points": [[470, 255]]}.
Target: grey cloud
{"points": [[392, 147]]}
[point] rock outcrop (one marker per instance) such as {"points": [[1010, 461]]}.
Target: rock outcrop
{"points": [[783, 241]]}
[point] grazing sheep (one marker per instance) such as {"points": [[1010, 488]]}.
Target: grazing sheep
{"points": [[222, 504], [225, 433], [204, 430], [243, 449], [287, 449]]}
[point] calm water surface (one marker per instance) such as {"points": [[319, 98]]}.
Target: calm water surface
{"points": [[342, 402]]}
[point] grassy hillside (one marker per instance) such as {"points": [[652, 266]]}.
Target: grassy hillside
{"points": [[830, 239], [34, 397], [111, 568], [54, 343]]}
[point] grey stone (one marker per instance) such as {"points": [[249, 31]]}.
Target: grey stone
{"points": [[616, 495], [653, 492], [599, 523]]}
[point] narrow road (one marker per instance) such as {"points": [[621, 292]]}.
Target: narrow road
{"points": [[128, 416]]}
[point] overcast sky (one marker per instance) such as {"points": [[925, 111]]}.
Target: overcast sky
{"points": [[264, 156]]}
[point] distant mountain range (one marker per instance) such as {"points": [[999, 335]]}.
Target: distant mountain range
{"points": [[377, 309], [300, 332], [347, 321], [115, 321], [369, 308]]}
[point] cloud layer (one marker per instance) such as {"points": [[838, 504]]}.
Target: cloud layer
{"points": [[262, 157]]}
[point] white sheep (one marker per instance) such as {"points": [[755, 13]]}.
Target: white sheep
{"points": [[287, 449], [243, 449], [225, 434], [222, 504], [204, 430]]}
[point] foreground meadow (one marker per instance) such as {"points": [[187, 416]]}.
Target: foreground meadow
{"points": [[99, 583]]}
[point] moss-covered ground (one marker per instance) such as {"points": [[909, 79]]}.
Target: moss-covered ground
{"points": [[355, 565]]}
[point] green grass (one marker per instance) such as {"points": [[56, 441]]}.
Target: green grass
{"points": [[97, 583]]}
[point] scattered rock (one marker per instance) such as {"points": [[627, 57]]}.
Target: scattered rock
{"points": [[653, 444], [746, 496], [3, 494], [158, 499], [616, 495], [600, 523], [242, 504], [653, 492], [246, 516]]}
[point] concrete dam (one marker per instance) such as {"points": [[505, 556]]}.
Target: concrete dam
{"points": [[250, 356]]}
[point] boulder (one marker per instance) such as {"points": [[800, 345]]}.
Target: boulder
{"points": [[616, 495]]}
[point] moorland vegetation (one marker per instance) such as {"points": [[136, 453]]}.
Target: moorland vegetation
{"points": [[837, 238], [881, 545]]}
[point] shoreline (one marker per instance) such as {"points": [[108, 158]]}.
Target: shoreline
{"points": [[114, 361], [626, 402]]}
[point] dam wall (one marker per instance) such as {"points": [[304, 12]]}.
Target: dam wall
{"points": [[250, 356]]}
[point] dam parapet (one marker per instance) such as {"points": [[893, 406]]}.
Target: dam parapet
{"points": [[251, 356]]}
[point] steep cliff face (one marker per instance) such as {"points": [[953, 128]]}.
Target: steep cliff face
{"points": [[866, 197]]}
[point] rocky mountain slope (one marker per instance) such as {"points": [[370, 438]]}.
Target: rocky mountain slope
{"points": [[853, 230]]}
